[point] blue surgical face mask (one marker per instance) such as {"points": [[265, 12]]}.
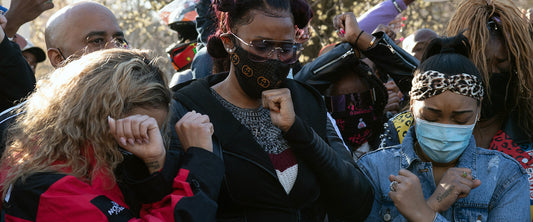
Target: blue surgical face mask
{"points": [[443, 143]]}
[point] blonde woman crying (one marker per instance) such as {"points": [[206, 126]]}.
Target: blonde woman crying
{"points": [[88, 147]]}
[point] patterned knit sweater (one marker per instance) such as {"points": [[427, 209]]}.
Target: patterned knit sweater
{"points": [[269, 137]]}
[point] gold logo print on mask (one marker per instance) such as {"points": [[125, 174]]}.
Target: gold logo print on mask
{"points": [[235, 59], [247, 71], [263, 82]]}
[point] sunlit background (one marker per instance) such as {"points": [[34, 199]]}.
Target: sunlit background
{"points": [[140, 22]]}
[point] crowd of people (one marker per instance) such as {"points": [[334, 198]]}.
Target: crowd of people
{"points": [[437, 129]]}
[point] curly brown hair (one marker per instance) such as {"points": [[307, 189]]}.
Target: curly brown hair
{"points": [[65, 120]]}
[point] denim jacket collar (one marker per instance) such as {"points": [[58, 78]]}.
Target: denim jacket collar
{"points": [[466, 160]]}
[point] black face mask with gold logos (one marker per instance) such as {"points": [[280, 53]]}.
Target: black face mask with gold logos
{"points": [[256, 77]]}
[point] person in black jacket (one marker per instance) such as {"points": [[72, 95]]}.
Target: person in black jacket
{"points": [[72, 31], [356, 99], [17, 79], [283, 159], [16, 76]]}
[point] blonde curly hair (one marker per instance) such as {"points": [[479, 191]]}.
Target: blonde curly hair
{"points": [[63, 125]]}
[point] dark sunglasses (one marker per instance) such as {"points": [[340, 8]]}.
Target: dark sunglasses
{"points": [[262, 49], [341, 102]]}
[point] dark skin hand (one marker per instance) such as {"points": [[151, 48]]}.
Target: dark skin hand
{"points": [[279, 102], [387, 30], [393, 104], [409, 198], [22, 11], [451, 187], [347, 22]]}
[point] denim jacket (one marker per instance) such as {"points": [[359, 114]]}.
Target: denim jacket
{"points": [[502, 196]]}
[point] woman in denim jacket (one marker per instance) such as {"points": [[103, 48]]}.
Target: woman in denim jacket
{"points": [[438, 173]]}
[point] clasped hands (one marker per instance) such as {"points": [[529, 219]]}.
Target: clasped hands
{"points": [[406, 193]]}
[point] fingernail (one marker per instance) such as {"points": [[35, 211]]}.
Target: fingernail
{"points": [[146, 141], [123, 141], [139, 141], [131, 141]]}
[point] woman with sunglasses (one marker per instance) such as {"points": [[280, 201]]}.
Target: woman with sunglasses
{"points": [[438, 173], [356, 99], [283, 160]]}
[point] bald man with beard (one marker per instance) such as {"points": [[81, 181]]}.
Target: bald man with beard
{"points": [[81, 28], [72, 31], [75, 30]]}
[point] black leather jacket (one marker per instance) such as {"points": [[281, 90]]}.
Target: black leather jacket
{"points": [[390, 60], [328, 180]]}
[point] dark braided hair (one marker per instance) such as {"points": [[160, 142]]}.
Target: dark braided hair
{"points": [[515, 34]]}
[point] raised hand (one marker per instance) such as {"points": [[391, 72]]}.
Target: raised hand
{"points": [[393, 103], [22, 11], [279, 102], [195, 130], [349, 31], [302, 35], [387, 29], [348, 27], [140, 135]]}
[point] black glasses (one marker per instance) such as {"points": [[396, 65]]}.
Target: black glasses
{"points": [[342, 102], [261, 50], [100, 43]]}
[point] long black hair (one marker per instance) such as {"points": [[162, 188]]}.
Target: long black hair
{"points": [[449, 56]]}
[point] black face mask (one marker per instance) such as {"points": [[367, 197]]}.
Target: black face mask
{"points": [[256, 77], [354, 116], [498, 89], [355, 125]]}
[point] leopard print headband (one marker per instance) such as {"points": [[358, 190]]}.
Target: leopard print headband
{"points": [[432, 83]]}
